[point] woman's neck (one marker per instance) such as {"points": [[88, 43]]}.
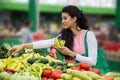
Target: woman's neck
{"points": [[76, 30]]}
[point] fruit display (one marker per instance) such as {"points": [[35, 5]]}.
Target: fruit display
{"points": [[33, 66]]}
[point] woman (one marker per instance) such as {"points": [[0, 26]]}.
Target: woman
{"points": [[74, 29]]}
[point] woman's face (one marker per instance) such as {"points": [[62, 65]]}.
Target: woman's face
{"points": [[67, 21]]}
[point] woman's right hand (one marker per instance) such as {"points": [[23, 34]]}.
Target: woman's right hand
{"points": [[14, 50]]}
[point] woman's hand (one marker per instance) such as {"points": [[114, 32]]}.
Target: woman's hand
{"points": [[14, 50], [19, 47], [66, 51]]}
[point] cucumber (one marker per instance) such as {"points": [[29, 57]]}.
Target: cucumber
{"points": [[117, 78], [114, 74], [44, 60], [32, 60], [52, 63], [76, 78], [66, 76], [59, 63], [81, 75], [92, 75]]}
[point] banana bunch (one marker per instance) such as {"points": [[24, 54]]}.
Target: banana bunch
{"points": [[58, 43]]}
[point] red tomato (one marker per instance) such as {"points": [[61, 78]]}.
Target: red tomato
{"points": [[44, 78], [56, 74], [50, 79], [47, 72], [84, 65], [97, 71], [90, 69], [74, 68], [59, 71]]}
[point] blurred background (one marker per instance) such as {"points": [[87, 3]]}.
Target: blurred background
{"points": [[42, 18]]}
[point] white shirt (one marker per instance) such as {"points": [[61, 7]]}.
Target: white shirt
{"points": [[26, 35], [92, 48]]}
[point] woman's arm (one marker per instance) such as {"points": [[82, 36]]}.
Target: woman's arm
{"points": [[43, 43], [34, 45], [92, 50]]}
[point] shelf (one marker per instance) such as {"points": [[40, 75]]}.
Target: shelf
{"points": [[56, 8]]}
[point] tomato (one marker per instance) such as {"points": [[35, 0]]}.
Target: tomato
{"points": [[59, 71], [47, 72], [44, 78], [50, 79], [97, 71], [84, 65], [56, 74], [74, 68]]}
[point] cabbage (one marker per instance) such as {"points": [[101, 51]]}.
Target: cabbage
{"points": [[4, 76], [17, 76]]}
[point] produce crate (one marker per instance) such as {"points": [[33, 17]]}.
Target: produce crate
{"points": [[113, 56], [114, 65], [113, 60]]}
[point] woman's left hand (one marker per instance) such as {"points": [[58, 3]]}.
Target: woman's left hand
{"points": [[66, 51]]}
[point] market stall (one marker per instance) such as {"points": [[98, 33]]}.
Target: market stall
{"points": [[31, 64]]}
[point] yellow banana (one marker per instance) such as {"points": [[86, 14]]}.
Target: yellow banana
{"points": [[56, 42], [62, 43]]}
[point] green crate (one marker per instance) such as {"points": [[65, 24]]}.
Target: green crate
{"points": [[114, 65]]}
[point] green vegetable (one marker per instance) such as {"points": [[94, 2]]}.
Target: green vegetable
{"points": [[80, 75], [66, 76], [114, 74], [92, 75], [32, 60], [59, 63], [44, 60], [4, 76], [76, 78], [77, 64], [52, 63], [70, 65], [4, 47], [117, 78]]}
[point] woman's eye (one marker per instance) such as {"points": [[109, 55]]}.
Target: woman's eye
{"points": [[65, 18]]}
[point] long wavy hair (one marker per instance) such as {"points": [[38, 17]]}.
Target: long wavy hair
{"points": [[81, 22]]}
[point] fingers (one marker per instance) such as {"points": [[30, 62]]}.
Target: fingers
{"points": [[13, 50], [10, 52]]}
